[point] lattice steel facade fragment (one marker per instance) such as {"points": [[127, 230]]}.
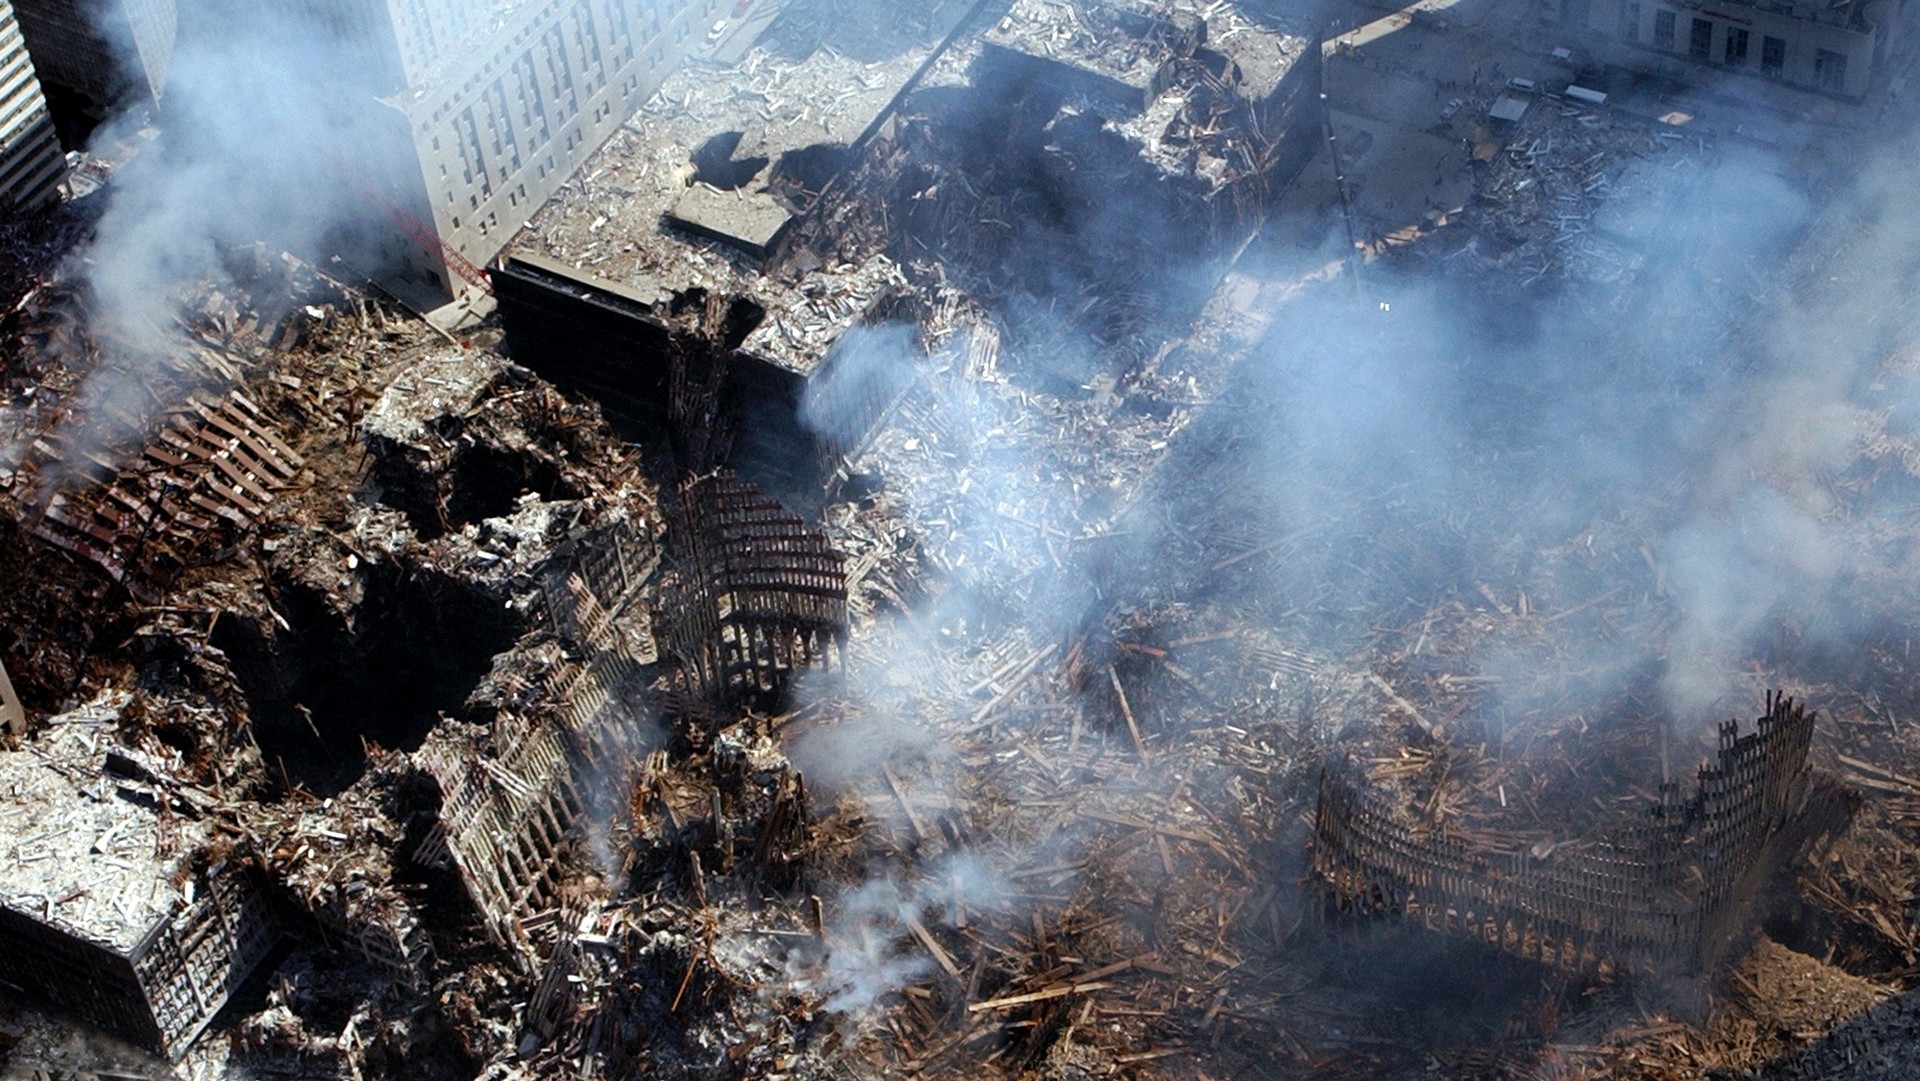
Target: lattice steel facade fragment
{"points": [[510, 804], [206, 474], [1664, 891], [757, 594]]}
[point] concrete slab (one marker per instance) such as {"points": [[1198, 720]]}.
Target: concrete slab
{"points": [[749, 220], [461, 315]]}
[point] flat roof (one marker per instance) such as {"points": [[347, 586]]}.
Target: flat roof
{"points": [[80, 850], [1509, 108], [1078, 34], [1124, 43], [815, 86]]}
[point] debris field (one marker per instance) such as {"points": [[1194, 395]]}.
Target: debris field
{"points": [[857, 610]]}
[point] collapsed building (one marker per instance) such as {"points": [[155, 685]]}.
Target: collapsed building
{"points": [[934, 169], [493, 754], [121, 901], [1668, 893], [478, 698]]}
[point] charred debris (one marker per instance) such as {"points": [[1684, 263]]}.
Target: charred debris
{"points": [[761, 650]]}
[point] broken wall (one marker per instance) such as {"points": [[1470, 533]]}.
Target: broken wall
{"points": [[1658, 894]]}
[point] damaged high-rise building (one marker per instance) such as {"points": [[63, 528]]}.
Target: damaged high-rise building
{"points": [[31, 165], [106, 52], [475, 115]]}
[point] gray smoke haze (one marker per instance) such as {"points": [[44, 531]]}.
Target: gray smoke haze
{"points": [[259, 112], [1682, 443], [872, 948]]}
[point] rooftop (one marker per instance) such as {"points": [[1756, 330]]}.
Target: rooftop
{"points": [[699, 187], [1121, 46], [703, 185], [83, 851]]}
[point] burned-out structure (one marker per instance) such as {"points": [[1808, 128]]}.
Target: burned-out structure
{"points": [[1669, 892], [947, 145], [120, 901], [758, 595], [880, 596]]}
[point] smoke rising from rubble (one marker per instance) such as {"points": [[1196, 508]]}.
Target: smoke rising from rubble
{"points": [[997, 589], [1531, 426], [872, 950], [1673, 447], [1769, 539], [248, 134]]}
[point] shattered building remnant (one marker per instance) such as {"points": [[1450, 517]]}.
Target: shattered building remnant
{"points": [[118, 900], [335, 863], [512, 797], [787, 130], [759, 594], [207, 475], [588, 335], [662, 370], [1210, 118], [1669, 890]]}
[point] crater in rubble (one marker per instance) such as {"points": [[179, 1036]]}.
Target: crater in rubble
{"points": [[460, 438], [359, 650]]}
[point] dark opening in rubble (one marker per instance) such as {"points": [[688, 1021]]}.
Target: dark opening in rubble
{"points": [[382, 672], [482, 479], [488, 481], [811, 168], [714, 163]]}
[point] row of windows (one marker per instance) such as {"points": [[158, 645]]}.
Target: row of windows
{"points": [[619, 39], [563, 68], [496, 113], [1829, 67]]}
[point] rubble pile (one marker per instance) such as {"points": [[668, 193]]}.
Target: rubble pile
{"points": [[389, 714], [1567, 194]]}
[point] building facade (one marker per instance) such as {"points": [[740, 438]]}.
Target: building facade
{"points": [[104, 51], [482, 112], [1830, 48], [31, 164]]}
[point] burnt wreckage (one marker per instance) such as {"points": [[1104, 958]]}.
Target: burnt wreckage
{"points": [[1668, 893], [479, 692], [139, 895]]}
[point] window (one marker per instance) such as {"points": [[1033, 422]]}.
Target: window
{"points": [[1736, 47], [1663, 29], [1700, 40], [1829, 69], [1773, 55], [1630, 21]]}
